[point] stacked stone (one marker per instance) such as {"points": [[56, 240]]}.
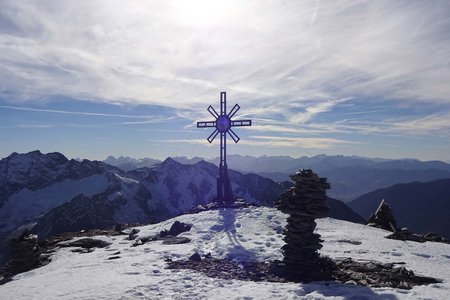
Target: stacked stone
{"points": [[383, 218], [304, 202]]}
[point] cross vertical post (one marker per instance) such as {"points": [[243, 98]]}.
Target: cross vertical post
{"points": [[222, 125]]}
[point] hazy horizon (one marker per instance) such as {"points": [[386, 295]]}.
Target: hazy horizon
{"points": [[217, 156]]}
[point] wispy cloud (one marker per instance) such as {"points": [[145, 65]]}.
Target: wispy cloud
{"points": [[277, 142], [290, 51], [295, 67], [37, 126], [311, 143], [78, 113]]}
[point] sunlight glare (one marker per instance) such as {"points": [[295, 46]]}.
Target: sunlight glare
{"points": [[203, 12]]}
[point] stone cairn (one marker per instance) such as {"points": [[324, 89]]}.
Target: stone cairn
{"points": [[383, 218], [304, 202]]}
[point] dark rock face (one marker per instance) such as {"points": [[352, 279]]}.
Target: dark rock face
{"points": [[304, 202], [82, 213], [26, 254], [383, 218]]}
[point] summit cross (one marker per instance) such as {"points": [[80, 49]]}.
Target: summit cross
{"points": [[222, 125]]}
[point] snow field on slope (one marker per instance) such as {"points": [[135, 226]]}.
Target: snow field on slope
{"points": [[243, 234]]}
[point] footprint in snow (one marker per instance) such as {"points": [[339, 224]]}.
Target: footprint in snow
{"points": [[132, 273], [216, 227], [422, 255]]}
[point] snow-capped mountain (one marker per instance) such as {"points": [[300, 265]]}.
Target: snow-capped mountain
{"points": [[32, 184], [37, 186], [126, 163], [121, 271], [35, 171], [150, 195], [349, 176]]}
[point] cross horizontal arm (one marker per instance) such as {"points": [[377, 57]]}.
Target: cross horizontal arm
{"points": [[241, 123], [206, 124]]}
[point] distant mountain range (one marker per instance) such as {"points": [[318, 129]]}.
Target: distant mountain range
{"points": [[350, 176], [421, 206], [49, 194]]}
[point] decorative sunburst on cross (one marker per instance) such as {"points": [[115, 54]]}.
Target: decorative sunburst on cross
{"points": [[222, 124]]}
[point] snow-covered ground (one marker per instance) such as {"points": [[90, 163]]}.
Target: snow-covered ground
{"points": [[242, 234]]}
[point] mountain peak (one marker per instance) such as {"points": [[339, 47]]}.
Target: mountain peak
{"points": [[170, 161], [25, 159]]}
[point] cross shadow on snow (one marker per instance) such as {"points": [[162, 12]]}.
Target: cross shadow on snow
{"points": [[228, 223]]}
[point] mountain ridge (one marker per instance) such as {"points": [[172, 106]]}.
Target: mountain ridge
{"points": [[350, 176]]}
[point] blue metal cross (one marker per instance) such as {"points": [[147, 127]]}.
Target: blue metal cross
{"points": [[223, 124]]}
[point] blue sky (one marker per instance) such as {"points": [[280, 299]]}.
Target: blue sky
{"points": [[97, 78]]}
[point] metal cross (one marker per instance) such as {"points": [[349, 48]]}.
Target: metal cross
{"points": [[223, 124]]}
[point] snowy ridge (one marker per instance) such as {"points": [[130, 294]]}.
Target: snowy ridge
{"points": [[244, 234]]}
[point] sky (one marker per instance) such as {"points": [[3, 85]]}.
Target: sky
{"points": [[96, 78]]}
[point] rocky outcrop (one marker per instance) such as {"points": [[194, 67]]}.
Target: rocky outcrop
{"points": [[383, 218], [169, 237], [404, 234], [85, 243], [304, 202], [176, 228], [347, 271], [26, 254]]}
